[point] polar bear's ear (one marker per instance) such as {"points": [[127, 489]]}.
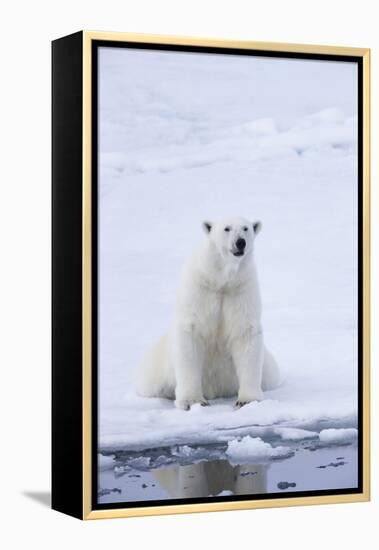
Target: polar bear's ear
{"points": [[257, 226], [207, 226]]}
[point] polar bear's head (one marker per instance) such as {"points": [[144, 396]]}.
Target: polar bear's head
{"points": [[232, 237]]}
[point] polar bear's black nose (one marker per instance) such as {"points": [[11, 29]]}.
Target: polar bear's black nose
{"points": [[240, 243]]}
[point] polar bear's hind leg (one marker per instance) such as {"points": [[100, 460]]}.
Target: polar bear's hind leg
{"points": [[271, 373], [155, 377]]}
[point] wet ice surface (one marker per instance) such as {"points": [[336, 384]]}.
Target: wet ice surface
{"points": [[195, 472]]}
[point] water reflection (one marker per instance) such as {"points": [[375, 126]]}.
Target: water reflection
{"points": [[211, 478]]}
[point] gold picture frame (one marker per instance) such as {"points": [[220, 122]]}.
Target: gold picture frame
{"points": [[73, 56]]}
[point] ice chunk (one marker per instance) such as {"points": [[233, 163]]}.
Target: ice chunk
{"points": [[139, 462], [295, 434], [253, 448], [183, 451], [338, 435], [105, 462]]}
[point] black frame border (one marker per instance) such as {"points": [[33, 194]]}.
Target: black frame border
{"points": [[67, 255]]}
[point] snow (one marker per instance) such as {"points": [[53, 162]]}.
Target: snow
{"points": [[338, 436], [184, 138], [159, 423], [253, 448]]}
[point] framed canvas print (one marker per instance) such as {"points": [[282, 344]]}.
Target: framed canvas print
{"points": [[210, 275]]}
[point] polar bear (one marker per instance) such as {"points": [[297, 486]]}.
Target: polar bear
{"points": [[214, 347]]}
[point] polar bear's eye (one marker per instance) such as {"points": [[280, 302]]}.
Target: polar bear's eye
{"points": [[227, 229], [245, 228]]}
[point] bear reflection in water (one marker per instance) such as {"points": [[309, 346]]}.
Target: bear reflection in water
{"points": [[212, 478]]}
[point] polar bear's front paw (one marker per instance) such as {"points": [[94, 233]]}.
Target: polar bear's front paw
{"points": [[186, 404], [238, 404], [241, 401]]}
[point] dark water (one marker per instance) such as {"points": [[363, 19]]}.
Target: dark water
{"points": [[206, 472]]}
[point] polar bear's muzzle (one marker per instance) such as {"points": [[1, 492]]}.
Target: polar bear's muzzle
{"points": [[240, 246]]}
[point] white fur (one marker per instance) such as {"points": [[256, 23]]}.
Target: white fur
{"points": [[214, 347]]}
